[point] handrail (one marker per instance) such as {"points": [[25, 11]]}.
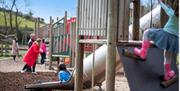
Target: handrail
{"points": [[58, 21]]}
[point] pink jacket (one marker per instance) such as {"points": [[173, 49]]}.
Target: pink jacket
{"points": [[43, 47], [32, 54]]}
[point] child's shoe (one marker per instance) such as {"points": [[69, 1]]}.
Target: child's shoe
{"points": [[169, 75], [143, 51], [34, 72], [22, 71]]}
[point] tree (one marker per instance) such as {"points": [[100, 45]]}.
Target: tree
{"points": [[16, 21], [30, 13], [10, 14], [3, 6], [42, 20]]}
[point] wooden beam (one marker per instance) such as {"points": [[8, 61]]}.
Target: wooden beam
{"points": [[50, 44], [136, 15], [93, 41], [123, 23], [78, 56], [111, 44], [79, 67]]}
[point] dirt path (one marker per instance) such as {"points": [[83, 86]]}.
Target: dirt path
{"points": [[8, 65]]}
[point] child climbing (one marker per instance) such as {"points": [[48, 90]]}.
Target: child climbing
{"points": [[166, 38], [63, 74], [31, 55]]}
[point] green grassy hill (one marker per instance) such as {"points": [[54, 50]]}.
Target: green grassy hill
{"points": [[24, 22]]}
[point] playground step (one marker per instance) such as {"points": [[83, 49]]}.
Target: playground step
{"points": [[144, 76]]}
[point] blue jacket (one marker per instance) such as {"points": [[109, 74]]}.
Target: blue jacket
{"points": [[64, 76]]}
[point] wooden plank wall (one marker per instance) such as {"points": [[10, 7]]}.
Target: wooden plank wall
{"points": [[93, 17]]}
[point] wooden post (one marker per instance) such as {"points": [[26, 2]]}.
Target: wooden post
{"points": [[50, 44], [65, 32], [1, 51], [35, 25], [111, 44], [79, 67], [71, 45], [123, 23], [136, 15], [38, 32], [78, 58]]}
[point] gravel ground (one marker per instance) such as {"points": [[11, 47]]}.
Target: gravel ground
{"points": [[12, 80]]}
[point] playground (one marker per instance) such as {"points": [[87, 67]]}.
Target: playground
{"points": [[13, 80], [109, 45]]}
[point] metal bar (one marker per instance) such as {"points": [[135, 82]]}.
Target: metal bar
{"points": [[58, 21]]}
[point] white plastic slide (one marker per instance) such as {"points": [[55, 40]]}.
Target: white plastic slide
{"points": [[146, 20]]}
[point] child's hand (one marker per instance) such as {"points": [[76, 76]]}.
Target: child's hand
{"points": [[41, 50]]}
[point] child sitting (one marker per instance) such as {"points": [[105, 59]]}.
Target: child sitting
{"points": [[63, 74]]}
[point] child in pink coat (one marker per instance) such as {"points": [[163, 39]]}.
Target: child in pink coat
{"points": [[31, 55], [43, 54]]}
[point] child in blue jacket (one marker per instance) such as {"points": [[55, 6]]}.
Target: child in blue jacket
{"points": [[63, 74]]}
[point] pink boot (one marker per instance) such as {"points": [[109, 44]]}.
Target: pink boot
{"points": [[169, 73], [143, 51]]}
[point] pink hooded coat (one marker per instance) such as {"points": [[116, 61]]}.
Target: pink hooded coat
{"points": [[32, 54]]}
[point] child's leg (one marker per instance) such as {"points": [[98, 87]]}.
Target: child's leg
{"points": [[34, 66], [14, 57], [145, 45], [42, 58], [25, 67], [168, 56], [29, 69]]}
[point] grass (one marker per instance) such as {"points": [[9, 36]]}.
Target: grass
{"points": [[24, 22], [9, 55]]}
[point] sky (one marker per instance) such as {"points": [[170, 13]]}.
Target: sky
{"points": [[54, 8], [46, 8]]}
